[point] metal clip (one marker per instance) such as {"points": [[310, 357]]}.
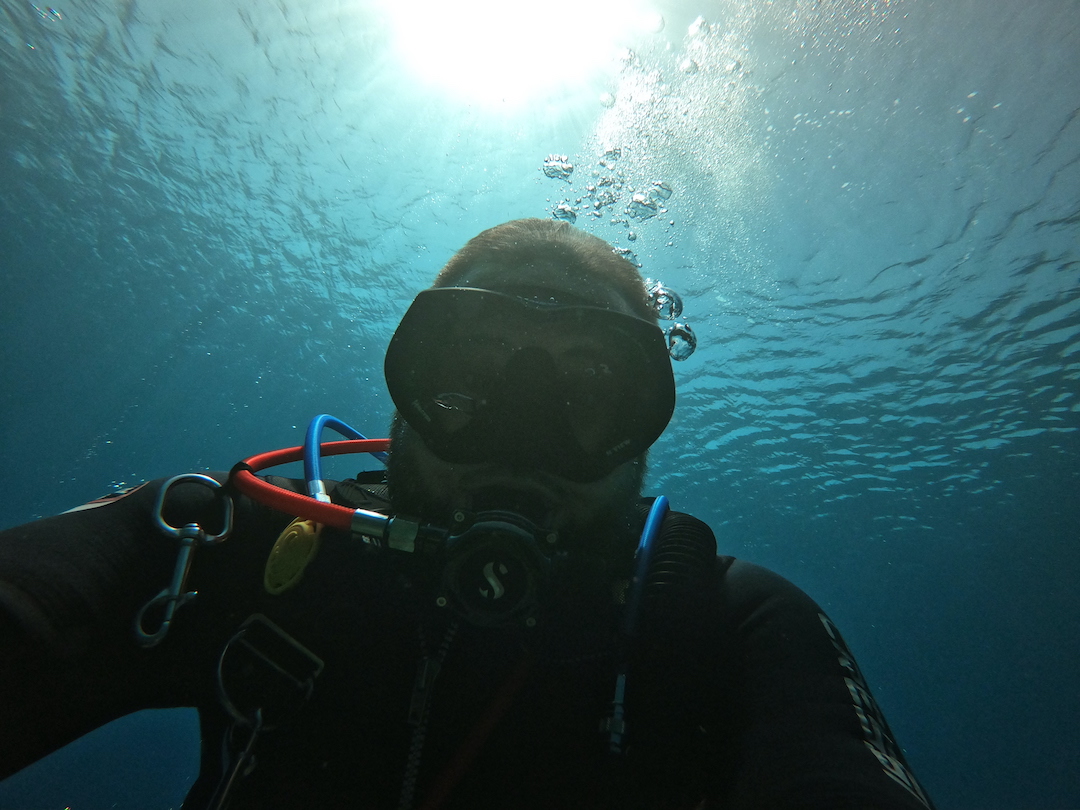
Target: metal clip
{"points": [[190, 537], [242, 764]]}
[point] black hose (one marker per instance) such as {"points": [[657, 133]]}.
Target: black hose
{"points": [[681, 567]]}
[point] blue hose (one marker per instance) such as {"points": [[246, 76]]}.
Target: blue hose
{"points": [[644, 555], [313, 456]]}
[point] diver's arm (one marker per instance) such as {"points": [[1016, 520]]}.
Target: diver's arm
{"points": [[813, 736], [70, 587]]}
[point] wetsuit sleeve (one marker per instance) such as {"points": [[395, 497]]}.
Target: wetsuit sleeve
{"points": [[70, 587], [808, 732]]}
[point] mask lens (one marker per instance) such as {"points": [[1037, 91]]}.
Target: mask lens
{"points": [[594, 382]]}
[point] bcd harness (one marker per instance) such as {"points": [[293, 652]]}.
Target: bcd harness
{"points": [[265, 676]]}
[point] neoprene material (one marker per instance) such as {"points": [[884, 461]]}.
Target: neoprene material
{"points": [[747, 698]]}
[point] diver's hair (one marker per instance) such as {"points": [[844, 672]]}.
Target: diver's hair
{"points": [[523, 243]]}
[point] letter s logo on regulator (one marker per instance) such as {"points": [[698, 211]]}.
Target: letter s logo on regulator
{"points": [[493, 581]]}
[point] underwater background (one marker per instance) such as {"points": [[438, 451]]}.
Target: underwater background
{"points": [[213, 213]]}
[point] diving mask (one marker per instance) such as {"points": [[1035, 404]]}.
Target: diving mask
{"points": [[483, 376]]}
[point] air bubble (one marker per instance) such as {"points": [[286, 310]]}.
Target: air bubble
{"points": [[627, 254], [607, 100], [665, 302], [558, 167], [564, 212], [681, 341], [603, 198], [698, 28], [642, 207]]}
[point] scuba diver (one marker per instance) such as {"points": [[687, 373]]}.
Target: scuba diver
{"points": [[496, 619]]}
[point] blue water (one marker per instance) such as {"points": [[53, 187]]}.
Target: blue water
{"points": [[212, 214]]}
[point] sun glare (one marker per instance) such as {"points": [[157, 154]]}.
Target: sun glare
{"points": [[513, 51]]}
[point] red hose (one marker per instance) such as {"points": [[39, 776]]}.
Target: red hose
{"points": [[293, 503]]}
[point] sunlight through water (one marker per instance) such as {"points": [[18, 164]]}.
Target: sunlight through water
{"points": [[494, 52]]}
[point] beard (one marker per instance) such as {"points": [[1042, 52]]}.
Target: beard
{"points": [[599, 519]]}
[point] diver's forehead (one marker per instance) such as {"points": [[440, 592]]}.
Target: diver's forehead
{"points": [[546, 283]]}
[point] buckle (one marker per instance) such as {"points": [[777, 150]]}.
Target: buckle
{"points": [[265, 675]]}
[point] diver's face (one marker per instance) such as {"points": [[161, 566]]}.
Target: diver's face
{"points": [[426, 485]]}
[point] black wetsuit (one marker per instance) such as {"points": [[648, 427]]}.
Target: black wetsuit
{"points": [[743, 697]]}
